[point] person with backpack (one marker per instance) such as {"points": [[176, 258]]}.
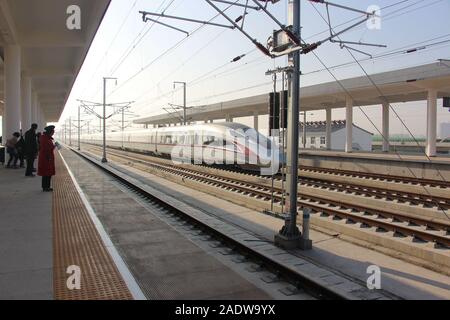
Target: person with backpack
{"points": [[12, 150]]}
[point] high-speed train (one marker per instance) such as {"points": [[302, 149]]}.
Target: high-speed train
{"points": [[220, 143]]}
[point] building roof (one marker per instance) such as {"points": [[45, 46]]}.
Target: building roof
{"points": [[409, 84], [52, 54], [320, 126]]}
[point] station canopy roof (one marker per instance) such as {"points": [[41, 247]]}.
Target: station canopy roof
{"points": [[404, 85], [52, 55]]}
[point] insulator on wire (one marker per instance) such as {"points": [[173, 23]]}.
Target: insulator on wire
{"points": [[238, 58], [262, 48], [310, 47]]}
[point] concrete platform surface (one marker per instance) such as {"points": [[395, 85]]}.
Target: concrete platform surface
{"points": [[441, 159], [26, 256], [412, 166]]}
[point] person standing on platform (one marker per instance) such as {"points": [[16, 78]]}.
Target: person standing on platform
{"points": [[46, 160], [20, 146], [12, 150], [31, 149]]}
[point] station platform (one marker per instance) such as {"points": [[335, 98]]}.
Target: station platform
{"points": [[26, 263], [404, 165], [43, 235]]}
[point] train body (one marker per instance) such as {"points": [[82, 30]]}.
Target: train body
{"points": [[222, 143]]}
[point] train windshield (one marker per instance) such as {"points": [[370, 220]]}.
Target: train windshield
{"points": [[253, 136]]}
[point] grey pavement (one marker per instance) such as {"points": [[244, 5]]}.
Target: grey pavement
{"points": [[26, 257]]}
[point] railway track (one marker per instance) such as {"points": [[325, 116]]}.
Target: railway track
{"points": [[413, 199], [401, 225]]}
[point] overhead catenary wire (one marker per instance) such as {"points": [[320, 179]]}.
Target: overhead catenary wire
{"points": [[200, 78], [228, 8], [345, 64], [177, 44], [370, 120], [248, 64], [135, 43], [130, 48], [103, 60]]}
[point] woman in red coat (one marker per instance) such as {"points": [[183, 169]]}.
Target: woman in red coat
{"points": [[46, 161]]}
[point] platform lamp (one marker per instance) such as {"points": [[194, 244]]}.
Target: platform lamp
{"points": [[104, 116]]}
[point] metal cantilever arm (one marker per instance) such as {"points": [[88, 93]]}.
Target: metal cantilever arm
{"points": [[343, 7], [237, 4], [165, 24], [235, 25], [162, 15]]}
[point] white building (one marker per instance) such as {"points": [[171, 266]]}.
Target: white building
{"points": [[316, 136], [444, 131]]}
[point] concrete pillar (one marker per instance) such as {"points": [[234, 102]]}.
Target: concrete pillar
{"points": [[385, 127], [38, 117], [431, 122], [26, 103], [328, 129], [255, 121], [43, 119], [33, 107], [349, 125], [12, 72]]}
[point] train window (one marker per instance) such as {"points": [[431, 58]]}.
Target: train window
{"points": [[322, 140], [209, 140], [181, 139], [169, 139], [196, 139], [313, 140], [253, 136]]}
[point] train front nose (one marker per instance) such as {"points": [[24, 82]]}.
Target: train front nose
{"points": [[270, 158]]}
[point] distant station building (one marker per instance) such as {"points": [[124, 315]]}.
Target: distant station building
{"points": [[316, 136], [444, 131]]}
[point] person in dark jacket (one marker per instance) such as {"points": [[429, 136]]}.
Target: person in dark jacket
{"points": [[20, 146], [46, 159], [31, 149]]}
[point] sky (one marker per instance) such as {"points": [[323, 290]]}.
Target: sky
{"points": [[147, 58]]}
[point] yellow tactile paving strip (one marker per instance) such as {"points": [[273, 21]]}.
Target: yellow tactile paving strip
{"points": [[77, 242]]}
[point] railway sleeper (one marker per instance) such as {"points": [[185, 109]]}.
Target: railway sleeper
{"points": [[381, 230], [255, 267]]}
